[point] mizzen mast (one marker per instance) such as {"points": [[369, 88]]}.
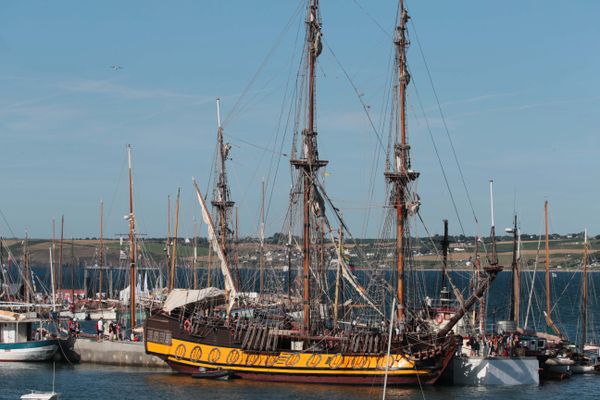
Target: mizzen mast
{"points": [[399, 175], [309, 162], [221, 194]]}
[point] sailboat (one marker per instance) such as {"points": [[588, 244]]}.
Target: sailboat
{"points": [[294, 337]]}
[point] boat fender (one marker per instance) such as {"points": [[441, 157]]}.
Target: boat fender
{"points": [[187, 326]]}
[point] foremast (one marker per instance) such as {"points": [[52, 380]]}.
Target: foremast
{"points": [[398, 173], [309, 163], [221, 200]]}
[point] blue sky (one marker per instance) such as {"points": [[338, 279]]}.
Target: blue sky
{"points": [[517, 82]]}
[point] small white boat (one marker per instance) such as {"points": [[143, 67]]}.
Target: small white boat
{"points": [[35, 395]]}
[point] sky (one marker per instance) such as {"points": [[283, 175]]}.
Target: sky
{"points": [[517, 82]]}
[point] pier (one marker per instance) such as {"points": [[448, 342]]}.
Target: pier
{"points": [[116, 353]]}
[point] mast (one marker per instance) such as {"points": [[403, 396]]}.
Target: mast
{"points": [[73, 273], [195, 256], [445, 244], [584, 305], [101, 255], [168, 244], [262, 240], [547, 262], [26, 272], [60, 257], [221, 195], [174, 257], [309, 163], [549, 322], [493, 260], [52, 278], [400, 175], [514, 312], [132, 252], [54, 251]]}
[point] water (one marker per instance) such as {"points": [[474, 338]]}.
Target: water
{"points": [[110, 383]]}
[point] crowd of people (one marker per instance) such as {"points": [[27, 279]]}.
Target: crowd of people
{"points": [[109, 328], [493, 345]]}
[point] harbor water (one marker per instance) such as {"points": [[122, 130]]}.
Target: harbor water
{"points": [[96, 382]]}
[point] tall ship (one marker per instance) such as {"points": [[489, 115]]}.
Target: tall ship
{"points": [[306, 331]]}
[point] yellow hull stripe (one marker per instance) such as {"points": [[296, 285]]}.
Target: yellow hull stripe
{"points": [[200, 355]]}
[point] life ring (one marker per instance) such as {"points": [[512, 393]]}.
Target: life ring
{"points": [[214, 355], [336, 361], [439, 318], [292, 360], [313, 360], [252, 359], [359, 362], [187, 326], [196, 354], [233, 356], [271, 360], [180, 351]]}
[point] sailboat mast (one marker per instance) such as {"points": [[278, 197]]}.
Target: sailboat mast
{"points": [[195, 256], [515, 275], [174, 257], [60, 257], [309, 164], [547, 262], [26, 272], [262, 240], [54, 251], [401, 174], [101, 254], [584, 306], [131, 244]]}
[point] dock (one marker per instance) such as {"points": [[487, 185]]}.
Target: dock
{"points": [[121, 353]]}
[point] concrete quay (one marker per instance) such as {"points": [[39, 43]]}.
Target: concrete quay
{"points": [[131, 354]]}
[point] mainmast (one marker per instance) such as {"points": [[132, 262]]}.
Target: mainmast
{"points": [[221, 195], [131, 244], [309, 162], [400, 174]]}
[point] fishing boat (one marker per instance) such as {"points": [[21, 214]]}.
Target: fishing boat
{"points": [[306, 335], [24, 337]]}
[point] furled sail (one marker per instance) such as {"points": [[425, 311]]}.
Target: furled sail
{"points": [[351, 279], [229, 286]]}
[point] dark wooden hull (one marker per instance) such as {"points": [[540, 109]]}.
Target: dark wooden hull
{"points": [[215, 348]]}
